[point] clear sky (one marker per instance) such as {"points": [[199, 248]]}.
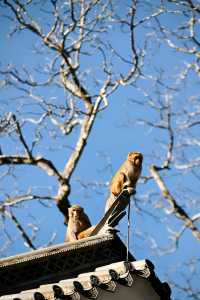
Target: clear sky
{"points": [[115, 133]]}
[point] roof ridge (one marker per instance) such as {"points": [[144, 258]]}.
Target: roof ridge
{"points": [[55, 249]]}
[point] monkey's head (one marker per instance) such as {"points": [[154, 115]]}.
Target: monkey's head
{"points": [[136, 158], [75, 211]]}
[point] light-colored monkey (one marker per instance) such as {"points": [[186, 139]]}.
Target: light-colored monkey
{"points": [[126, 177], [78, 222]]}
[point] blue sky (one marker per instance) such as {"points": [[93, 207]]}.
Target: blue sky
{"points": [[114, 134]]}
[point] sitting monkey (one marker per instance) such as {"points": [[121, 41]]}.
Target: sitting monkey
{"points": [[78, 223], [126, 177]]}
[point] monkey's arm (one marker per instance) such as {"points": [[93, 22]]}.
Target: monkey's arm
{"points": [[129, 186], [71, 236], [74, 236]]}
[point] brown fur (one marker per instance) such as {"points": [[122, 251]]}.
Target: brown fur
{"points": [[85, 233], [78, 222], [126, 177]]}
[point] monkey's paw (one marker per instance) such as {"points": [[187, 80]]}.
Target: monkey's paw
{"points": [[130, 190]]}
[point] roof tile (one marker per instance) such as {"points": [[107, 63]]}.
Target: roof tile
{"points": [[106, 277]]}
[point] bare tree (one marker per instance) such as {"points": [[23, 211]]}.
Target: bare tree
{"points": [[170, 113], [84, 53], [73, 30]]}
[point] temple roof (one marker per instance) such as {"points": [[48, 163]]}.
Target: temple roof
{"points": [[91, 284], [59, 262], [84, 269]]}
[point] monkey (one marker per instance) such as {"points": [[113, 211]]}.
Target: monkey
{"points": [[78, 222], [126, 177]]}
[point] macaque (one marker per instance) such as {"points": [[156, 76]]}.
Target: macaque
{"points": [[78, 222], [126, 177]]}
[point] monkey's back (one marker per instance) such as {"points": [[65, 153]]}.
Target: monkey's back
{"points": [[118, 179]]}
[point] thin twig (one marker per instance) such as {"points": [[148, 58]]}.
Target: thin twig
{"points": [[21, 229]]}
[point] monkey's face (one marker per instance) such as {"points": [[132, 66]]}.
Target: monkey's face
{"points": [[75, 212], [136, 158]]}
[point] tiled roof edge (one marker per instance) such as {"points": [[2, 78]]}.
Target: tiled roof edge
{"points": [[65, 247], [105, 277]]}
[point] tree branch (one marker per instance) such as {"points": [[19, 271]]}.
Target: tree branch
{"points": [[21, 137], [84, 134], [177, 210], [64, 188], [45, 164], [21, 229], [13, 201]]}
